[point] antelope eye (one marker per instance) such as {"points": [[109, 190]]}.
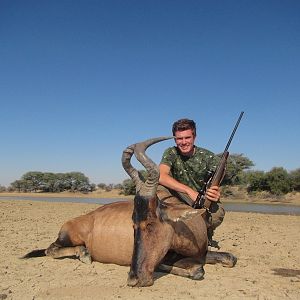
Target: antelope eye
{"points": [[149, 227]]}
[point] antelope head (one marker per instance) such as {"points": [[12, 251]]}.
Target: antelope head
{"points": [[150, 234]]}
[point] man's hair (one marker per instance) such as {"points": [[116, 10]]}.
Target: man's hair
{"points": [[184, 124]]}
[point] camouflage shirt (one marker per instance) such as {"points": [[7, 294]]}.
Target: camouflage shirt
{"points": [[190, 170]]}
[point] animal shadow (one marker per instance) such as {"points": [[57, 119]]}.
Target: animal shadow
{"points": [[286, 272]]}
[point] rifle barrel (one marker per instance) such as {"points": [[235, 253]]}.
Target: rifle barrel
{"points": [[233, 132]]}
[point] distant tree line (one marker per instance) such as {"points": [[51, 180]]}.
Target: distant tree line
{"points": [[52, 182], [46, 182], [109, 187], [277, 181]]}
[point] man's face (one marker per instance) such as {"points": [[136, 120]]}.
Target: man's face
{"points": [[185, 141]]}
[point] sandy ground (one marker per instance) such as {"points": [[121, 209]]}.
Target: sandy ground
{"points": [[267, 247]]}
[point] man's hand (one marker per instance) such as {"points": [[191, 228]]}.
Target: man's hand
{"points": [[213, 193]]}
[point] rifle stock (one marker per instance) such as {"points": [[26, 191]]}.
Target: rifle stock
{"points": [[220, 171], [216, 178]]}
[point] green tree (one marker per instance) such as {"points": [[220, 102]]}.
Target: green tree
{"points": [[256, 181], [118, 186], [278, 181], [128, 186], [32, 181], [236, 165], [295, 180], [48, 182], [101, 186], [73, 181], [16, 186]]}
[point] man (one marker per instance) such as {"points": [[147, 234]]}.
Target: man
{"points": [[183, 171]]}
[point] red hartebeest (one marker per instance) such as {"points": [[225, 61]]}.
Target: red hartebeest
{"points": [[146, 234]]}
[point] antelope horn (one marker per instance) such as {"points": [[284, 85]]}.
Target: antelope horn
{"points": [[138, 149], [149, 188], [131, 171]]}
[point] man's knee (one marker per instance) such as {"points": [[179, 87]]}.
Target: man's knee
{"points": [[217, 215]]}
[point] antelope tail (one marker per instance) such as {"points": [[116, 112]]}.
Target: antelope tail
{"points": [[35, 253]]}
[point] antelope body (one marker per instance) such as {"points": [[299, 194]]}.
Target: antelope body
{"points": [[146, 234]]}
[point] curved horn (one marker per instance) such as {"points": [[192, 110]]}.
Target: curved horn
{"points": [[149, 188], [131, 171], [138, 150]]}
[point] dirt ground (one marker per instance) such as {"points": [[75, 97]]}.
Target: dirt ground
{"points": [[267, 248]]}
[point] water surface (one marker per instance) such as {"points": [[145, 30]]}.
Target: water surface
{"points": [[237, 207]]}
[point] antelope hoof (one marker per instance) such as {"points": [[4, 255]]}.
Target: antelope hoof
{"points": [[230, 261], [85, 256], [198, 274], [87, 259], [139, 282]]}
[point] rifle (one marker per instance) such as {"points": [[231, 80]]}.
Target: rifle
{"points": [[216, 177]]}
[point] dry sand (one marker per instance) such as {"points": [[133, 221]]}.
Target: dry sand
{"points": [[267, 247]]}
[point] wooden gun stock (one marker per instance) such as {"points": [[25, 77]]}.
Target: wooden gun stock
{"points": [[220, 171], [217, 177]]}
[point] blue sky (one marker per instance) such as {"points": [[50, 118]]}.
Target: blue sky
{"points": [[81, 80]]}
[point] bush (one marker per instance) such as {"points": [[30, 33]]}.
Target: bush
{"points": [[295, 180], [256, 181], [278, 181]]}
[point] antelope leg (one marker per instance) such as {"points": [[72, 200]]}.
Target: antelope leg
{"points": [[185, 267], [226, 259], [78, 251]]}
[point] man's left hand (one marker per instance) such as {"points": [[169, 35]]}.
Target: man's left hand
{"points": [[213, 193]]}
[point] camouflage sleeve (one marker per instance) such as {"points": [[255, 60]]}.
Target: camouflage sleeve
{"points": [[168, 157]]}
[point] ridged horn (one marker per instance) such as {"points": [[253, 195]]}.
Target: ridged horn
{"points": [[131, 171], [149, 187], [138, 149]]}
